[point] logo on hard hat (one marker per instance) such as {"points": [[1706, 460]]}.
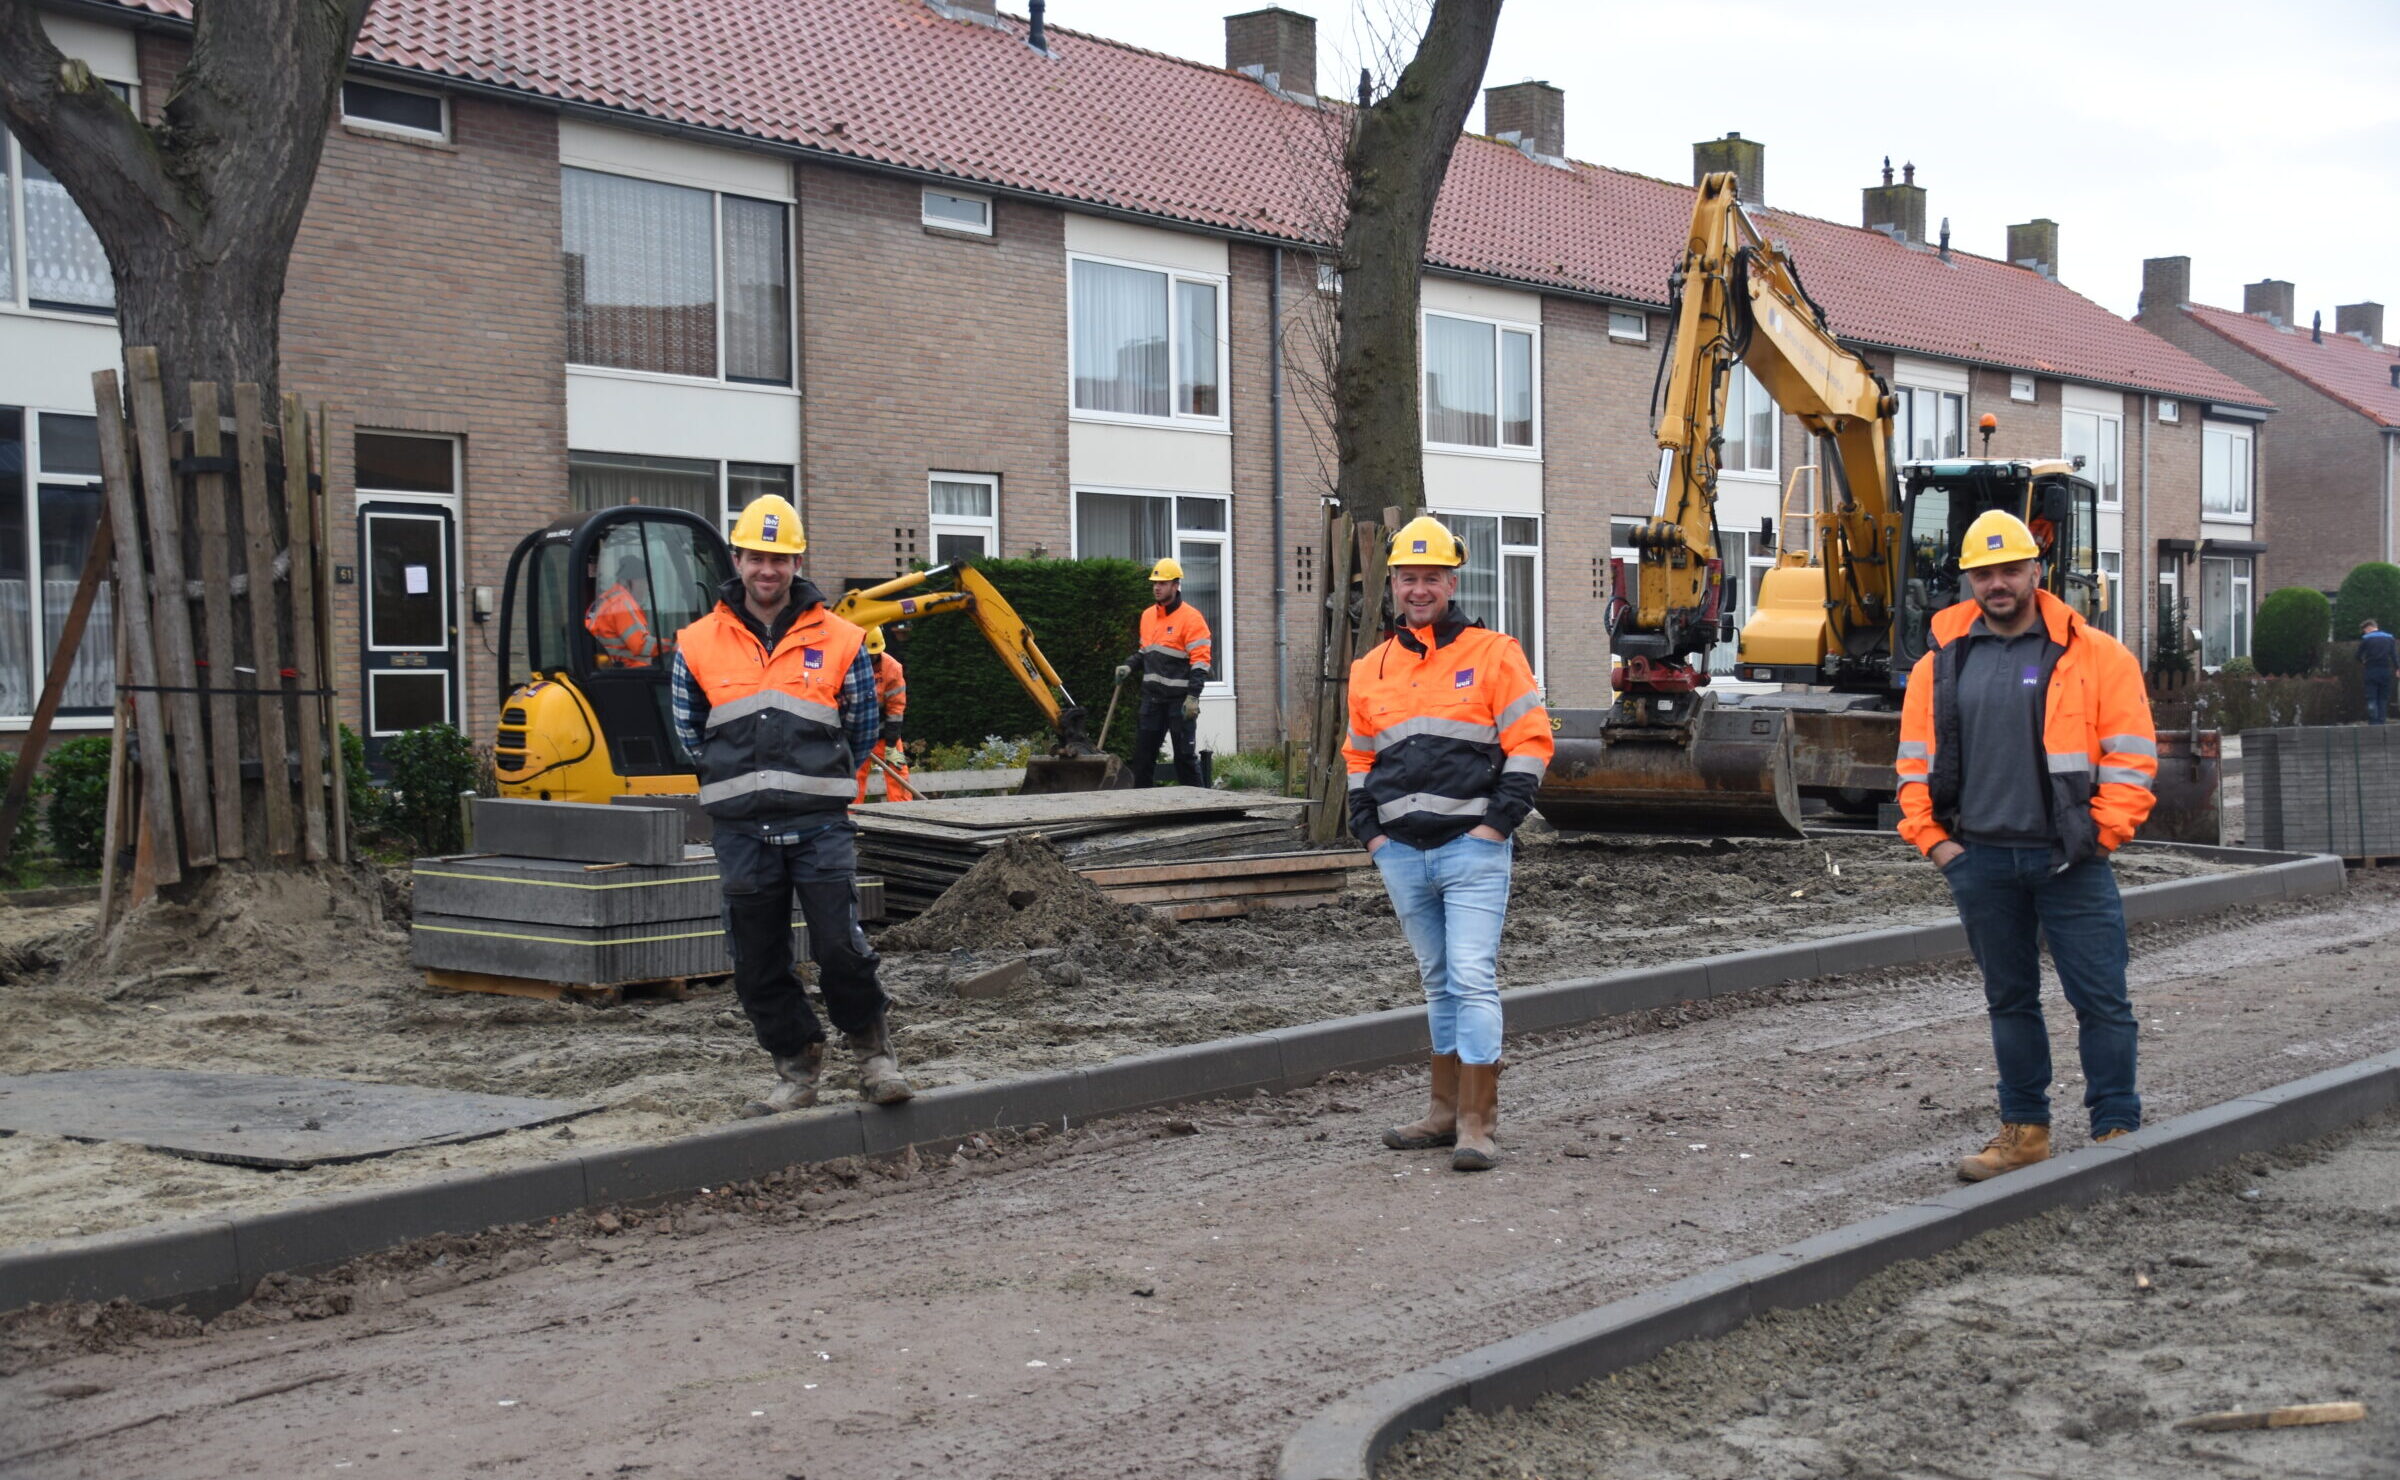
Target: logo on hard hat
{"points": [[1416, 547], [768, 524], [1992, 541]]}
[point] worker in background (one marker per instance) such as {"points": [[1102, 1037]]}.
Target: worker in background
{"points": [[774, 696], [2378, 656], [2026, 759], [1174, 664], [1448, 742], [619, 617], [891, 696]]}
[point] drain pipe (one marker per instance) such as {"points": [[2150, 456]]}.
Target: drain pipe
{"points": [[1283, 666], [2149, 545]]}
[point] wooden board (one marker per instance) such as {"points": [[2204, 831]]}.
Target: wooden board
{"points": [[171, 623], [1225, 909], [216, 625], [1225, 868], [314, 725], [133, 614], [1080, 806], [266, 637], [672, 989], [1310, 883]]}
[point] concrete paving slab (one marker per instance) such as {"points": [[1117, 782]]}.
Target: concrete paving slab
{"points": [[644, 951], [558, 891], [578, 830]]}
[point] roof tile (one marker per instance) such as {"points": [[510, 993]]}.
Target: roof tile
{"points": [[2353, 372]]}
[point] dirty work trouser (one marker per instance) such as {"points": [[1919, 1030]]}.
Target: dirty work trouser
{"points": [[894, 789], [759, 868], [1451, 901], [2003, 894], [1163, 719], [2379, 696]]}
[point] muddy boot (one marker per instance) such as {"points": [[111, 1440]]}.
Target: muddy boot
{"points": [[1440, 1125], [1478, 1118], [2016, 1146], [879, 1080], [795, 1083]]}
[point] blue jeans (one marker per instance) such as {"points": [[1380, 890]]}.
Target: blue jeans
{"points": [[2379, 696], [2003, 894], [1451, 901]]}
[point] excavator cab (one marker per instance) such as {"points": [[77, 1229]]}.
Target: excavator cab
{"points": [[587, 631], [1940, 499]]}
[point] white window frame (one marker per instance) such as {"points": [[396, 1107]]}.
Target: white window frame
{"points": [[939, 524], [2109, 428], [1221, 422], [1220, 679], [453, 504], [1529, 453], [1904, 421], [2166, 599], [12, 208], [716, 269], [1635, 332], [37, 614], [1773, 470], [396, 130], [2170, 409], [2022, 388], [1500, 556], [2112, 581], [926, 216], [1329, 279], [2241, 576], [726, 512], [2244, 445]]}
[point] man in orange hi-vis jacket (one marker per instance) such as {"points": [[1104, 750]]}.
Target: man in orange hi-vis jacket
{"points": [[619, 620], [1174, 665], [1448, 743], [891, 694], [2027, 757]]}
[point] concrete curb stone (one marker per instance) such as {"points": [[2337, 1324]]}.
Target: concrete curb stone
{"points": [[196, 1262], [733, 1153]]}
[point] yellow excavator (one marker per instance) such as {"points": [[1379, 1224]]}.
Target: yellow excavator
{"points": [[588, 618], [1846, 616]]}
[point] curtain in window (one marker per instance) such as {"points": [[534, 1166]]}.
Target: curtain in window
{"points": [[1203, 564], [599, 480], [1519, 617], [8, 227], [2216, 612], [1122, 526], [641, 279], [1736, 423], [1120, 339], [1461, 401], [16, 598], [1479, 578], [758, 309], [65, 265], [1196, 349], [959, 500], [69, 517], [1516, 388]]}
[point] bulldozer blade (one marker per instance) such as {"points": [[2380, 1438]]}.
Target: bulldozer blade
{"points": [[1729, 774], [1046, 775]]}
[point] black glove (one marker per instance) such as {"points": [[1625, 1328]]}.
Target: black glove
{"points": [[891, 734]]}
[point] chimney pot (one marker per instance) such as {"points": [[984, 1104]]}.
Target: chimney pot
{"points": [[2269, 299], [2360, 320], [1899, 209], [2166, 284], [1887, 169], [1908, 173], [1945, 238], [1281, 44], [1744, 159], [2034, 244], [1534, 112]]}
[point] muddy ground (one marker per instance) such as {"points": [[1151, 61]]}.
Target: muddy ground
{"points": [[2070, 1345], [336, 997], [1163, 1295]]}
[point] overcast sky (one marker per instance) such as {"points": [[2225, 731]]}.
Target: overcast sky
{"points": [[2258, 139]]}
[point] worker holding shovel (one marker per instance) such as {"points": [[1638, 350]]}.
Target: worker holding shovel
{"points": [[1174, 665], [891, 692]]}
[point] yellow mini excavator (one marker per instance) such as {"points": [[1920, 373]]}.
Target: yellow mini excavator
{"points": [[587, 628], [1846, 616]]}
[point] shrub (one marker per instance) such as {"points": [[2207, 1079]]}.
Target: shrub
{"points": [[1250, 770], [2238, 666], [430, 767], [2172, 662], [2288, 635], [1085, 614], [21, 841], [2370, 590], [76, 772], [994, 754]]}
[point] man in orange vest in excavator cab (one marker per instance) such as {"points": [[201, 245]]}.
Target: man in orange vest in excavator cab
{"points": [[619, 617]]}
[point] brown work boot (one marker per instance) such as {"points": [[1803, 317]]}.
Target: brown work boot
{"points": [[2112, 1133], [795, 1083], [1440, 1125], [1478, 1118], [2016, 1146], [879, 1080]]}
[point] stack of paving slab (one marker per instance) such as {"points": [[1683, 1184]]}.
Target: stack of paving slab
{"points": [[920, 849], [2323, 789]]}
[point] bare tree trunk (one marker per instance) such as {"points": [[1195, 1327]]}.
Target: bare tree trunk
{"points": [[1398, 153], [197, 212]]}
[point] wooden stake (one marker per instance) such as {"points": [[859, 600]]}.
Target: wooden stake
{"points": [[133, 616], [54, 683], [301, 545], [171, 622], [216, 623], [148, 857], [320, 462], [2295, 1416], [112, 824], [266, 637]]}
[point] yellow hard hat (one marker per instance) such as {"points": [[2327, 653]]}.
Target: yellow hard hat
{"points": [[875, 640], [770, 524], [1996, 538], [1166, 570], [1425, 540]]}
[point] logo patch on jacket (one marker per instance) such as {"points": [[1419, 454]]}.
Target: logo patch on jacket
{"points": [[1463, 679], [2032, 678], [812, 657]]}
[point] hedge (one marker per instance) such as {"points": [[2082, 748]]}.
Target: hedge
{"points": [[2288, 635], [1085, 615], [77, 773], [2370, 590]]}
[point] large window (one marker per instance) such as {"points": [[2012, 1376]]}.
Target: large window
{"points": [[708, 488], [2225, 468], [49, 509], [1501, 585], [2224, 609], [965, 510], [2100, 441], [676, 281], [1928, 424], [49, 255], [1749, 426], [1146, 342], [1144, 527], [1480, 388]]}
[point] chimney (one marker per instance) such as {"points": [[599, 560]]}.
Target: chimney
{"points": [[2035, 244], [1531, 115], [1898, 209], [2271, 299], [2361, 320], [1744, 159], [1276, 46], [2166, 284]]}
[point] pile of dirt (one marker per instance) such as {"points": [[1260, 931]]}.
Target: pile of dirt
{"points": [[269, 926], [1021, 896]]}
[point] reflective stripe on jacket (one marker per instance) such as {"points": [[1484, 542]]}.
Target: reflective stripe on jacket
{"points": [[618, 623], [774, 744], [1447, 730], [891, 687], [2100, 748], [1176, 656]]}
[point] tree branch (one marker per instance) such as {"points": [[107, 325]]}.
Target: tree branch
{"points": [[76, 125]]}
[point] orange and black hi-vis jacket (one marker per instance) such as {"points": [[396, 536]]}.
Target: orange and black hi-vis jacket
{"points": [[773, 743], [1176, 656], [891, 692], [618, 623], [2100, 748], [1447, 730]]}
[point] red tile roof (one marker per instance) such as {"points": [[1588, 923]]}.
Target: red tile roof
{"points": [[2357, 374], [892, 82]]}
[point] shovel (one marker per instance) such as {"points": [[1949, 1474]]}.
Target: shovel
{"points": [[1109, 718]]}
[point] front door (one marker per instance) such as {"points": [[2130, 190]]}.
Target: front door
{"points": [[411, 619]]}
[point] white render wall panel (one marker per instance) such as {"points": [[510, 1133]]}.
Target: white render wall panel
{"points": [[47, 363], [106, 49], [1454, 295], [1151, 459], [1098, 237], [662, 418], [2106, 402], [1933, 375], [1483, 485], [677, 161]]}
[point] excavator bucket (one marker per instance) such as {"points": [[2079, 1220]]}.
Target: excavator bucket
{"points": [[1048, 774], [1726, 773]]}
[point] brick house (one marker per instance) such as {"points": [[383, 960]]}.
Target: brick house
{"points": [[953, 290], [2334, 460]]}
